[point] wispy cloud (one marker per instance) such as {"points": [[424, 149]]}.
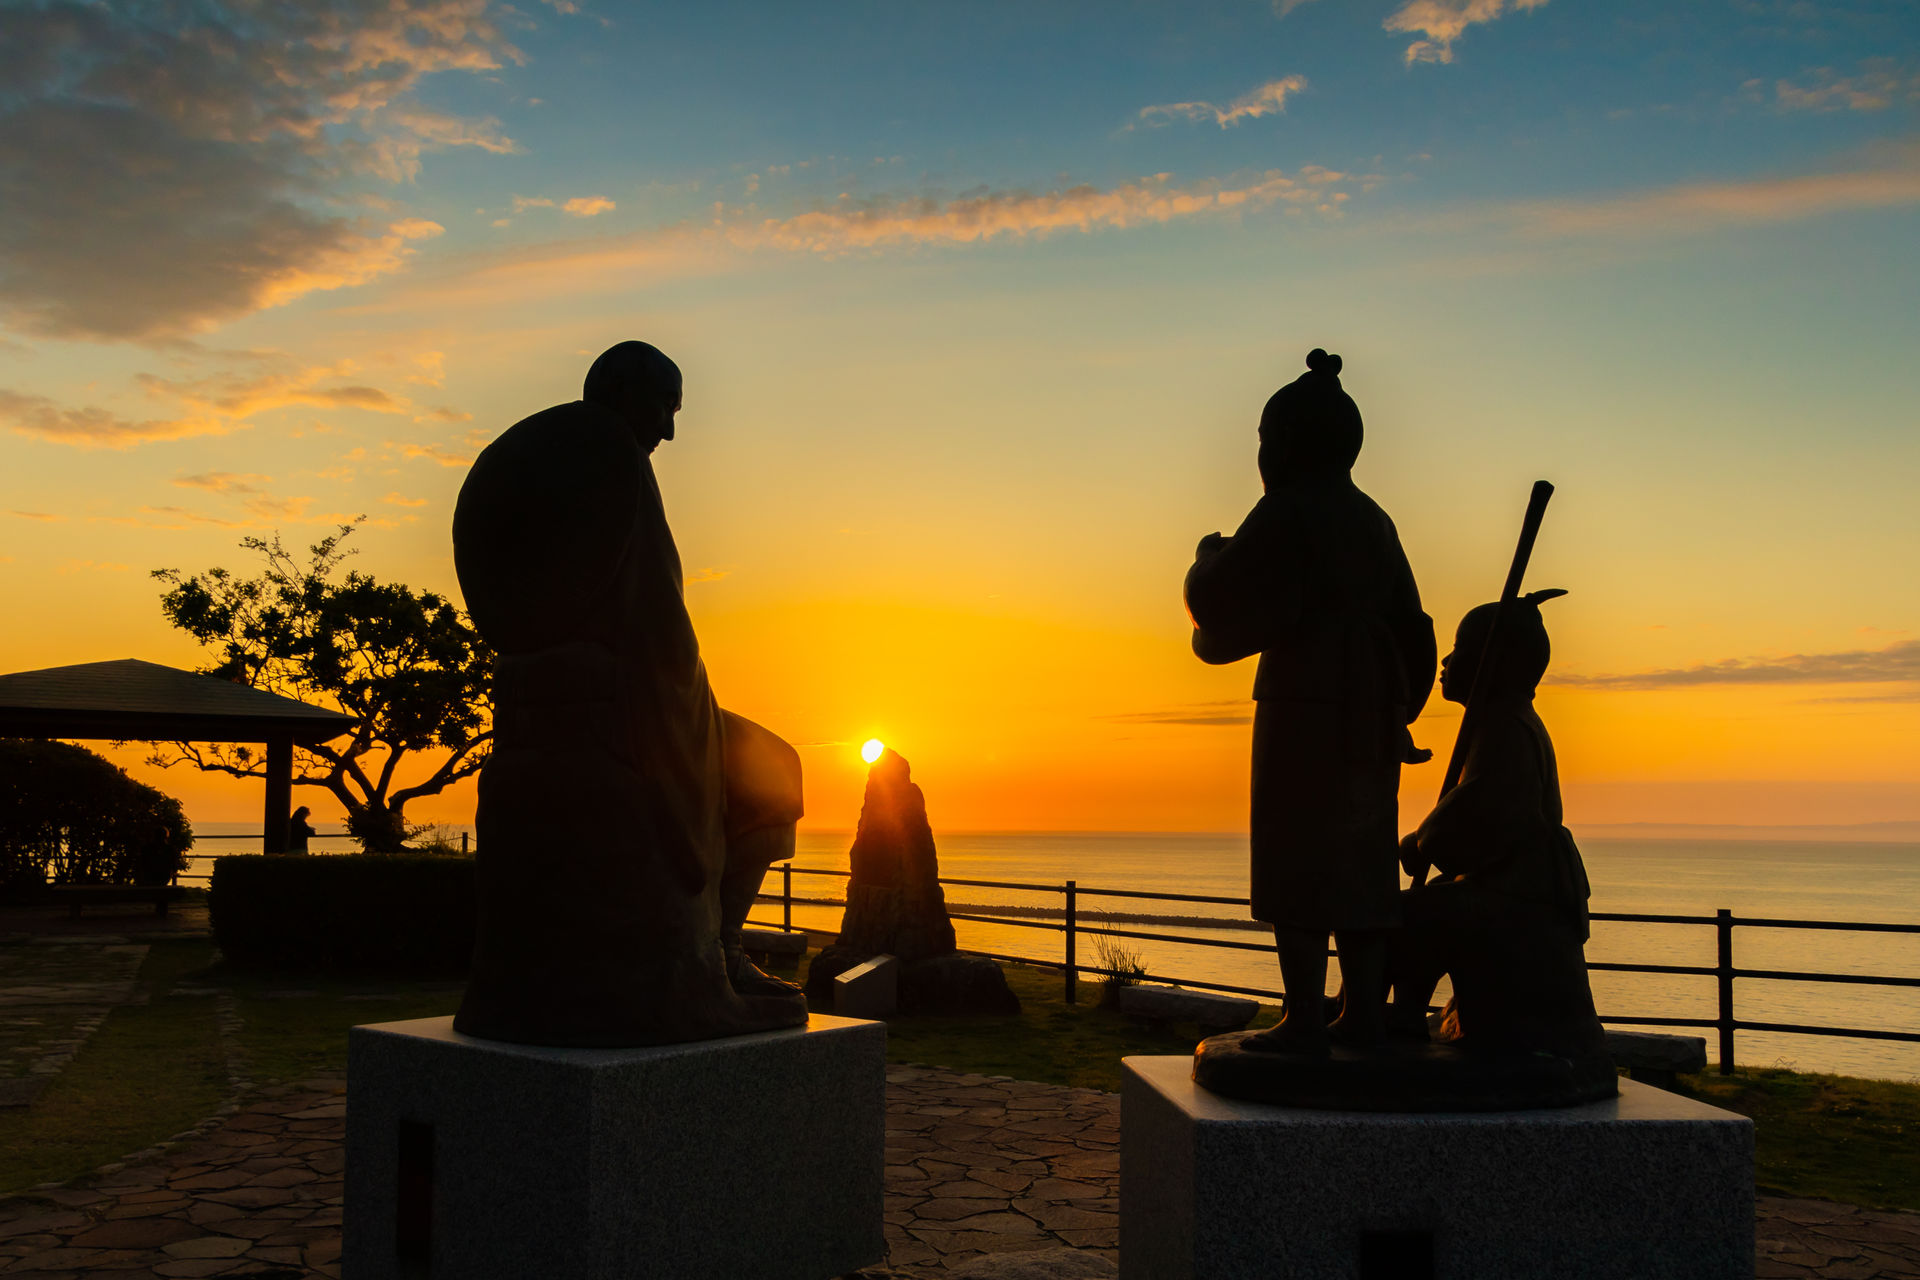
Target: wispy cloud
{"points": [[578, 266], [587, 206], [439, 453], [238, 396], [574, 206], [1268, 99], [1876, 85], [400, 500], [1226, 711], [1707, 206], [1441, 22], [262, 512], [851, 225], [1282, 8], [1894, 664], [45, 516], [93, 427], [433, 451], [223, 482], [699, 576], [163, 173], [211, 405]]}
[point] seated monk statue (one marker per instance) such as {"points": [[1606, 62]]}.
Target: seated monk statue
{"points": [[624, 820], [1506, 915]]}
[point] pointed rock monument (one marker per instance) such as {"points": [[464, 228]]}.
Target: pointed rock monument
{"points": [[895, 907]]}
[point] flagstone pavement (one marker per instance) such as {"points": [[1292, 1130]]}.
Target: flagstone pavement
{"points": [[976, 1165]]}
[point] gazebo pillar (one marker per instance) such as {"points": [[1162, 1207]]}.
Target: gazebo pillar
{"points": [[279, 793]]}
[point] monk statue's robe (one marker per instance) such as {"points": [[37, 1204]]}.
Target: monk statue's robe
{"points": [[1316, 583], [1507, 915], [603, 820]]}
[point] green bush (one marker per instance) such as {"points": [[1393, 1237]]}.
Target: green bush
{"points": [[389, 914], [72, 817]]}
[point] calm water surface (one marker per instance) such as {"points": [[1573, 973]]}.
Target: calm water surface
{"points": [[1793, 880]]}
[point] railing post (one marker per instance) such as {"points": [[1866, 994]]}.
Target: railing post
{"points": [[786, 896], [1723, 925], [463, 844], [1072, 972]]}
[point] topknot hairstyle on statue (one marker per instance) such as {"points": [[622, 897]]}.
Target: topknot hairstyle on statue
{"points": [[1311, 424], [1521, 650]]}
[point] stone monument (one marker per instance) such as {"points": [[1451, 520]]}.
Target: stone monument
{"points": [[616, 1057], [1507, 1149], [895, 907]]}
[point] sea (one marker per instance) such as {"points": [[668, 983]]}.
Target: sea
{"points": [[1834, 880]]}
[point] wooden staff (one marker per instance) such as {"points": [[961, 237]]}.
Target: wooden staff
{"points": [[1529, 530]]}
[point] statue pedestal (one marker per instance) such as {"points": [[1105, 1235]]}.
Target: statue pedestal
{"points": [[757, 1155], [1647, 1185]]}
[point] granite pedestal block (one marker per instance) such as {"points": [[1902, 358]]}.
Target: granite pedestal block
{"points": [[1646, 1186], [757, 1155]]}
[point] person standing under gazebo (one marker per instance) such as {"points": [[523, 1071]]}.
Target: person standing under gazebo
{"points": [[299, 830]]}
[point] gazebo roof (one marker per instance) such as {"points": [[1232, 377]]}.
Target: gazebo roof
{"points": [[131, 699]]}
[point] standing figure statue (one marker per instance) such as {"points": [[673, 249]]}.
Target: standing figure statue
{"points": [[1315, 581], [624, 820]]}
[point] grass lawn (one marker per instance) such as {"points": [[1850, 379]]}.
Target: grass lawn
{"points": [[1832, 1137], [150, 1071], [156, 1069]]}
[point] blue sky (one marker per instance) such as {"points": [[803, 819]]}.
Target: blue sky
{"points": [[978, 305]]}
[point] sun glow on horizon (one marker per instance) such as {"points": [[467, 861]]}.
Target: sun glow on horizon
{"points": [[870, 749]]}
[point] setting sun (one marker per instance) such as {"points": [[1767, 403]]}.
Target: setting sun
{"points": [[870, 749]]}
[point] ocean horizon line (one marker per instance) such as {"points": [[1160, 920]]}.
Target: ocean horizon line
{"points": [[1897, 831]]}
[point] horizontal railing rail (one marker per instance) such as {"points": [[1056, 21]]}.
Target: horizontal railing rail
{"points": [[1071, 926], [1726, 1023]]}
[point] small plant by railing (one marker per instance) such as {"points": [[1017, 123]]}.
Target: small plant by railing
{"points": [[1125, 967]]}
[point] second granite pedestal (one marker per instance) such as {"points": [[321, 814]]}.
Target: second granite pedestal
{"points": [[1645, 1186]]}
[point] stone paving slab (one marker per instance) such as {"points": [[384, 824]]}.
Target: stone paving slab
{"points": [[54, 993], [985, 1177]]}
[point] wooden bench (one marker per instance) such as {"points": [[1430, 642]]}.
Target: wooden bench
{"points": [[77, 896], [1656, 1059]]}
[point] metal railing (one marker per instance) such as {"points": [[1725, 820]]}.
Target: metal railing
{"points": [[1724, 971]]}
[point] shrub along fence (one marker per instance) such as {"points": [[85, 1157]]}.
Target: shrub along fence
{"points": [[351, 913], [70, 817]]}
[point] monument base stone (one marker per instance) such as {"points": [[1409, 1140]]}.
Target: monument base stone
{"points": [[1645, 1186], [756, 1155]]}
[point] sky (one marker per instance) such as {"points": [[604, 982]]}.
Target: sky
{"points": [[977, 307]]}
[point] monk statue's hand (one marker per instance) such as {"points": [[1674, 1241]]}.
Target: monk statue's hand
{"points": [[1211, 545]]}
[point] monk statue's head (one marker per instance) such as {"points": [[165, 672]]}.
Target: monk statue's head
{"points": [[1310, 426], [637, 383], [1521, 651]]}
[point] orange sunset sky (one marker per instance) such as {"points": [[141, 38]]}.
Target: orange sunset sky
{"points": [[977, 308]]}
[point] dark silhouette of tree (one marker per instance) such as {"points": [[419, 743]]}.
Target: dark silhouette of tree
{"points": [[72, 817], [408, 663]]}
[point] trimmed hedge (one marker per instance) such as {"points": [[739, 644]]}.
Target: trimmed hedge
{"points": [[388, 914]]}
